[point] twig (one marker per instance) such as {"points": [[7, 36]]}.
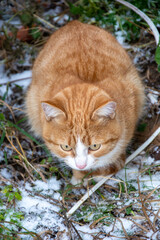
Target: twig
{"points": [[150, 194], [16, 80], [23, 157], [143, 207], [100, 183], [144, 16], [123, 208], [136, 47], [79, 236], [155, 218], [97, 221], [10, 109], [140, 226], [44, 22], [126, 235]]}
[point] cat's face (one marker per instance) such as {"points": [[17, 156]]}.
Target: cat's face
{"points": [[84, 137]]}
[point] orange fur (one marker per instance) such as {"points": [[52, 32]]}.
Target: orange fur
{"points": [[80, 70]]}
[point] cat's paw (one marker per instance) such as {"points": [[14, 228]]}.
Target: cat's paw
{"points": [[75, 181], [98, 179]]}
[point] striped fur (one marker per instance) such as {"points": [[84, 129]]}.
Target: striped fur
{"points": [[85, 87]]}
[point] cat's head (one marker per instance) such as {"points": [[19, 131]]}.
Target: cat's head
{"points": [[81, 127]]}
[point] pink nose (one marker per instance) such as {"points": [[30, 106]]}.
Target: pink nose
{"points": [[81, 166]]}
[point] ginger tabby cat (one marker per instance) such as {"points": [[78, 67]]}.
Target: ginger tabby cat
{"points": [[85, 99]]}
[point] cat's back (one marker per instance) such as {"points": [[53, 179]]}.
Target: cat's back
{"points": [[85, 54], [83, 50]]}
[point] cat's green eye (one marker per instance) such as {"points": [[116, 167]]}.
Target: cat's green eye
{"points": [[66, 147], [94, 147]]}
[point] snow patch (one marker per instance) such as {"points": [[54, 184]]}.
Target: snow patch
{"points": [[24, 82], [6, 173], [153, 98]]}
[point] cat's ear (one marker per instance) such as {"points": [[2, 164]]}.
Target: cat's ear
{"points": [[52, 112], [106, 110]]}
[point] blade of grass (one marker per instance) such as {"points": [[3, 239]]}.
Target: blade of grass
{"points": [[28, 135], [2, 137], [21, 120], [5, 158]]}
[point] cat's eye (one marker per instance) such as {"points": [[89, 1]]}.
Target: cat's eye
{"points": [[94, 147], [66, 147]]}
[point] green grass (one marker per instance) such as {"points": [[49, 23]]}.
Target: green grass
{"points": [[115, 16]]}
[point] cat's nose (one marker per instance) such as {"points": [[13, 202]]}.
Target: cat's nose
{"points": [[81, 162], [81, 166]]}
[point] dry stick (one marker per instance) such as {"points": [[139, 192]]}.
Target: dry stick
{"points": [[143, 208], [43, 21], [150, 194], [96, 221], [155, 218], [140, 226], [16, 80], [79, 236], [126, 235], [9, 107], [23, 157], [144, 16], [100, 183]]}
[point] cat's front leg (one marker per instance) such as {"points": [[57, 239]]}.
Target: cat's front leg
{"points": [[113, 168], [78, 177]]}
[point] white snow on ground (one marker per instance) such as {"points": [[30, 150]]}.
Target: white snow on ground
{"points": [[5, 173], [18, 76], [41, 211], [61, 20], [120, 38], [51, 184], [153, 98], [23, 78]]}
